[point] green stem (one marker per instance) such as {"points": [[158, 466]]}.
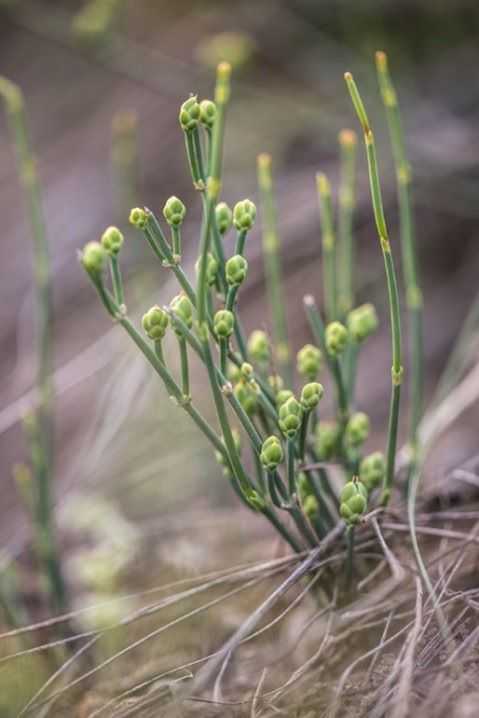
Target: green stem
{"points": [[223, 354], [328, 245], [185, 374], [350, 557], [240, 241], [176, 243], [290, 456], [347, 202], [302, 434], [116, 279], [159, 351]]}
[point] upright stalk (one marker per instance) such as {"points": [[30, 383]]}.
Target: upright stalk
{"points": [[393, 293], [346, 204], [328, 241]]}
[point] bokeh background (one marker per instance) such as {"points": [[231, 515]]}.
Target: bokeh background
{"points": [[97, 73]]}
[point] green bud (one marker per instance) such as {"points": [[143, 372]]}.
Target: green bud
{"points": [[211, 268], [190, 113], [353, 501], [174, 211], [311, 395], [138, 217], [247, 395], [244, 214], [303, 487], [362, 322], [112, 240], [155, 323], [236, 270], [256, 501], [233, 372], [183, 307], [310, 506], [93, 257], [283, 396], [246, 370], [271, 453], [372, 470], [276, 383], [207, 113], [357, 429], [224, 217], [308, 361], [290, 416], [258, 346], [336, 338], [326, 440], [224, 322]]}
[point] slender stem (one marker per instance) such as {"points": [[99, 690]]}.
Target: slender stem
{"points": [[240, 241], [347, 203], [223, 354], [302, 434], [159, 351], [318, 490], [195, 169], [350, 557], [290, 455], [116, 279], [185, 374], [176, 243], [231, 298], [393, 294], [408, 243], [328, 245], [272, 265]]}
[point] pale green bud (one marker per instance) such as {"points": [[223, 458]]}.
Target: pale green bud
{"points": [[155, 323], [182, 306], [112, 240], [276, 383], [357, 429], [233, 372], [190, 113], [326, 441], [247, 395], [283, 396], [174, 211], [311, 395], [310, 506], [93, 257], [362, 322], [138, 217], [211, 268], [308, 361], [236, 270], [258, 346], [353, 501], [244, 215], [372, 470], [271, 453], [246, 370], [256, 501], [336, 338], [207, 113], [224, 217], [290, 415], [224, 322]]}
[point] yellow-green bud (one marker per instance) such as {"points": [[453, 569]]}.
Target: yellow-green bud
{"points": [[271, 453], [372, 469], [233, 372], [93, 257], [112, 240], [336, 338], [276, 383], [174, 211], [247, 395], [155, 323], [182, 306], [258, 346], [207, 113], [311, 395], [224, 322], [357, 429], [283, 396], [138, 217], [310, 506], [353, 501], [255, 500], [190, 113], [236, 270], [246, 370], [290, 415], [308, 361], [244, 214], [211, 268], [362, 322], [224, 217], [326, 442]]}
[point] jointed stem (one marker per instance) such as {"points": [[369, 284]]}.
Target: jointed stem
{"points": [[346, 202], [329, 246]]}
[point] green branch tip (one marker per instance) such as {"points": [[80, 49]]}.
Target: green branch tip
{"points": [[289, 417], [236, 269], [174, 211], [224, 217], [212, 267], [224, 322], [93, 258], [112, 240], [259, 348], [328, 434], [353, 501], [247, 393], [264, 163], [138, 217], [362, 322], [372, 470], [182, 306], [244, 215], [357, 102], [155, 323], [309, 361], [222, 89], [207, 113], [311, 395], [357, 429], [272, 453], [336, 338], [190, 113], [282, 397]]}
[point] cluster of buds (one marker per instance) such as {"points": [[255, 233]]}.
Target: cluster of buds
{"points": [[311, 395], [224, 217], [362, 322], [155, 323], [93, 258], [372, 470], [112, 241], [290, 415], [182, 307], [357, 429], [336, 338], [224, 322], [327, 438], [174, 211], [211, 269], [309, 361], [236, 269], [259, 347], [353, 501], [244, 215], [272, 453]]}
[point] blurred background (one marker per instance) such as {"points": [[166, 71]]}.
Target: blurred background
{"points": [[103, 82]]}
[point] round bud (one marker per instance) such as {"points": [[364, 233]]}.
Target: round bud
{"points": [[311, 395], [236, 270], [207, 113], [155, 323], [224, 322], [336, 338], [138, 217], [310, 506], [224, 217], [258, 346], [112, 240], [276, 383], [326, 440], [190, 114], [362, 322], [256, 501], [290, 415], [211, 268], [283, 396], [308, 361], [174, 211], [182, 307], [247, 395], [372, 470], [246, 370], [233, 372], [93, 257], [244, 214], [271, 453], [353, 501], [357, 429]]}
